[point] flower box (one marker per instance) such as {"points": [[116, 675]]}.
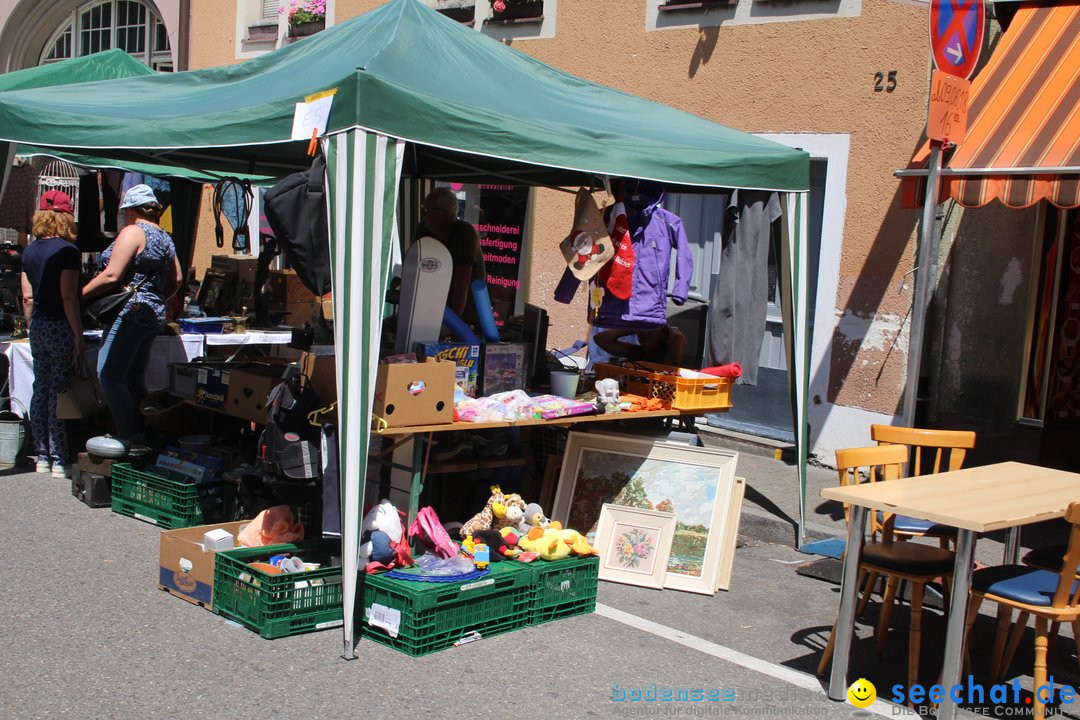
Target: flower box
{"points": [[307, 28], [532, 11]]}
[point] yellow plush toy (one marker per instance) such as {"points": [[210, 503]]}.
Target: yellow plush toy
{"points": [[554, 543]]}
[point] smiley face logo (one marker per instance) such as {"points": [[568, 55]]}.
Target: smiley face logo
{"points": [[862, 693]]}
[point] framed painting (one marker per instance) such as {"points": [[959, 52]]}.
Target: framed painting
{"points": [[697, 484], [634, 545]]}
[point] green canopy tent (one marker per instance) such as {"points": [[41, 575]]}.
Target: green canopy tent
{"points": [[417, 95], [107, 65]]}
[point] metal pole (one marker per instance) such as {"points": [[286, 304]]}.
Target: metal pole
{"points": [[845, 619], [925, 278], [955, 627]]}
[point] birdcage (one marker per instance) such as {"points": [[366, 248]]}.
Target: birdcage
{"points": [[59, 175]]}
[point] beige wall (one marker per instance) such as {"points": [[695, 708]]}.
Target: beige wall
{"points": [[811, 76]]}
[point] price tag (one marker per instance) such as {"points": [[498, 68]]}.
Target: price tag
{"points": [[949, 97], [389, 619]]}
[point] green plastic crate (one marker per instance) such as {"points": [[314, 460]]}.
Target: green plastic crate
{"points": [[279, 605], [563, 588], [428, 617], [169, 499]]}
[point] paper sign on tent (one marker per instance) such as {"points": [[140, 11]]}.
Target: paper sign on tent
{"points": [[312, 115]]}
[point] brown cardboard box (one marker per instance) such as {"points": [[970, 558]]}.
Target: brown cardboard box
{"points": [[248, 388], [415, 393], [243, 268], [184, 568], [293, 314], [285, 287], [320, 367]]}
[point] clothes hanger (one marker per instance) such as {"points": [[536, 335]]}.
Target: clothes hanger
{"points": [[315, 415]]}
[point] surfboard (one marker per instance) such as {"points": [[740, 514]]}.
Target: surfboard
{"points": [[426, 272]]}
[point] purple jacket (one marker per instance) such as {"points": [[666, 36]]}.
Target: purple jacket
{"points": [[656, 232]]}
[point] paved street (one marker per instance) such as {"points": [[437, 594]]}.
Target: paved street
{"points": [[89, 635]]}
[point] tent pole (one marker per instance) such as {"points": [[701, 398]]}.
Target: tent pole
{"points": [[925, 277], [7, 154]]}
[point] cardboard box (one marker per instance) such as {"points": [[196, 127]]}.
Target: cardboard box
{"points": [[293, 314], [204, 384], [184, 568], [320, 366], [242, 268], [505, 367], [248, 388], [284, 287], [420, 394], [466, 357]]}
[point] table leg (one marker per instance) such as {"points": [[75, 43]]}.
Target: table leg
{"points": [[954, 631], [420, 441], [845, 621], [1012, 546]]}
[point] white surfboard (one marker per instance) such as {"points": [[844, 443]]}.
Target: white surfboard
{"points": [[426, 272]]}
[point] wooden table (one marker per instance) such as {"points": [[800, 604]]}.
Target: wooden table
{"points": [[421, 435], [1005, 495]]}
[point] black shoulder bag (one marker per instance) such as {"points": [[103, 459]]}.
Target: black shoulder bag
{"points": [[104, 309]]}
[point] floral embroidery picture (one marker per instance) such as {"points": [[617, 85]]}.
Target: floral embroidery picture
{"points": [[634, 548]]}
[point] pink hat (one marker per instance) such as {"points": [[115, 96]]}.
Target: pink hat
{"points": [[56, 200]]}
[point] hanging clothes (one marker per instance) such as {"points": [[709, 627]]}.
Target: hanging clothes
{"points": [[737, 308], [655, 233]]}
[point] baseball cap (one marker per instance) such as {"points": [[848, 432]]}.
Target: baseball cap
{"points": [[138, 195], [56, 200]]}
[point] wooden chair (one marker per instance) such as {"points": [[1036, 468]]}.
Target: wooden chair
{"points": [[913, 562], [932, 451], [1052, 597]]}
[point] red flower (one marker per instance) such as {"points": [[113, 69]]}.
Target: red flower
{"points": [[498, 6]]}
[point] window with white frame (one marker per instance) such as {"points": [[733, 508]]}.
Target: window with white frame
{"points": [[130, 25]]}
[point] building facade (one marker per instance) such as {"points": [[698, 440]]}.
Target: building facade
{"points": [[845, 80]]}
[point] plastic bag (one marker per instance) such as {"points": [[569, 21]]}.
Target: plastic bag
{"points": [[434, 565]]}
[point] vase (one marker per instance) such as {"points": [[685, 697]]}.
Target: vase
{"points": [[308, 28], [521, 11]]}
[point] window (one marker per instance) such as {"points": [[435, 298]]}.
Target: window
{"points": [[662, 14], [126, 24]]}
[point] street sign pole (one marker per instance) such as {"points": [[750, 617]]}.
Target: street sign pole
{"points": [[925, 276]]}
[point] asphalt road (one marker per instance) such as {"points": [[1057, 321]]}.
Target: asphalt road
{"points": [[87, 634]]}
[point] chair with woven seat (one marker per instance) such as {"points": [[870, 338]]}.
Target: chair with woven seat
{"points": [[913, 562], [932, 451], [1052, 597]]}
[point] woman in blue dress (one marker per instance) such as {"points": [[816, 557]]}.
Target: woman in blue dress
{"points": [[143, 254]]}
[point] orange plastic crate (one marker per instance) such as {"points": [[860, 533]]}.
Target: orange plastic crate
{"points": [[653, 380]]}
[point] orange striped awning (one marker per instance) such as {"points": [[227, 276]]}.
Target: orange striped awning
{"points": [[1023, 138]]}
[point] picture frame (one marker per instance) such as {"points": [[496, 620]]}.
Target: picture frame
{"points": [[696, 483], [731, 535], [634, 545]]}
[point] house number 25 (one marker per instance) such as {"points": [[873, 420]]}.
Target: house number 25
{"points": [[884, 82]]}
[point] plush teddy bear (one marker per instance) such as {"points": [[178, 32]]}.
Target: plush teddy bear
{"points": [[534, 517], [382, 539], [512, 512], [607, 395]]}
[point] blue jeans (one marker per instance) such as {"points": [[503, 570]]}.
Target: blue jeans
{"points": [[122, 360]]}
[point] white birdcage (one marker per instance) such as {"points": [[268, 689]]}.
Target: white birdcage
{"points": [[59, 175]]}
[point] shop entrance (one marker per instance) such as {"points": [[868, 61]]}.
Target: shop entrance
{"points": [[763, 409]]}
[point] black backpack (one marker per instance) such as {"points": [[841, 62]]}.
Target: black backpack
{"points": [[289, 448], [296, 211]]}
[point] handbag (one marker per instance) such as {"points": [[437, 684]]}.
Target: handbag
{"points": [[82, 398], [104, 309]]}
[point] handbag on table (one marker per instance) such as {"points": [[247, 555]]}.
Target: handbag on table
{"points": [[105, 308]]}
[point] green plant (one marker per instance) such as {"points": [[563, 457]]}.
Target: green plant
{"points": [[305, 11]]}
